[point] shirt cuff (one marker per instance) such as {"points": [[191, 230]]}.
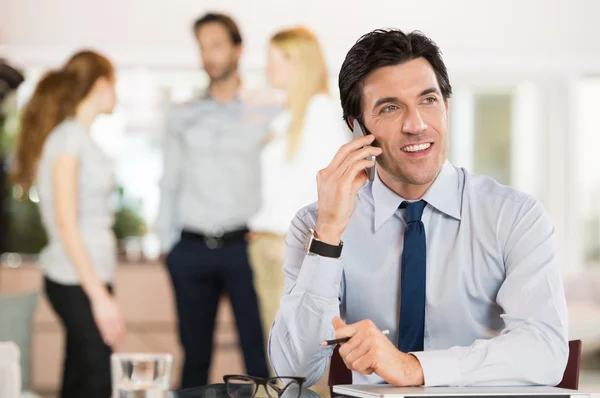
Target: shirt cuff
{"points": [[440, 368], [321, 276]]}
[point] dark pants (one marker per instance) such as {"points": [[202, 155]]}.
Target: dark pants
{"points": [[86, 370], [200, 275]]}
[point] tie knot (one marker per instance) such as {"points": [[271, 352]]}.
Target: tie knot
{"points": [[414, 210]]}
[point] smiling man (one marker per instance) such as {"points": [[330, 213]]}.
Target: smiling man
{"points": [[461, 270]]}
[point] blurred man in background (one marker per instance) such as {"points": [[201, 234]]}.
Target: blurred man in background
{"points": [[210, 189]]}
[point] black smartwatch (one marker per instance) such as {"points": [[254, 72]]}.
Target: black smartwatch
{"points": [[313, 246]]}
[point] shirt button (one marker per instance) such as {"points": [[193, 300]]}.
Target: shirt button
{"points": [[336, 287]]}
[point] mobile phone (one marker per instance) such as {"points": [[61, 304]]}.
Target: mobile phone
{"points": [[359, 132]]}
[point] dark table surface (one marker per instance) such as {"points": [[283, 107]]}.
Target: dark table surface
{"points": [[219, 391]]}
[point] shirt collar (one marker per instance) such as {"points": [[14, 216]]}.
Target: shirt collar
{"points": [[385, 200], [443, 195], [240, 95]]}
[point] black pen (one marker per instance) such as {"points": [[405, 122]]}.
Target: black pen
{"points": [[345, 339]]}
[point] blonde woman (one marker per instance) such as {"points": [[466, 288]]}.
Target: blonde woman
{"points": [[303, 139], [74, 181]]}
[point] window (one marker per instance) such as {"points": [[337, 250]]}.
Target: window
{"points": [[492, 144], [588, 166]]}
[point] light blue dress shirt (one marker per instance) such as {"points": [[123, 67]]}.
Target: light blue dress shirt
{"points": [[211, 182], [495, 306]]}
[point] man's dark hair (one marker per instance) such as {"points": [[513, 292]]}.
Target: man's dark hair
{"points": [[384, 48], [225, 20]]}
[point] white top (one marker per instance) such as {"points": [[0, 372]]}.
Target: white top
{"points": [[288, 185], [95, 187]]}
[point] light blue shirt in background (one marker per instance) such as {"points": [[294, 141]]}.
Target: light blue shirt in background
{"points": [[495, 307], [211, 181]]}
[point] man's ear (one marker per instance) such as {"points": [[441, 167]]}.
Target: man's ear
{"points": [[239, 49], [350, 122]]}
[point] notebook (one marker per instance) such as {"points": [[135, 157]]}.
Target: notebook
{"points": [[389, 391]]}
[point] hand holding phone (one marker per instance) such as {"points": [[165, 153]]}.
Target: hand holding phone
{"points": [[360, 132], [339, 183]]}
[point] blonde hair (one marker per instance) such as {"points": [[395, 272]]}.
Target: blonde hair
{"points": [[55, 98], [301, 46]]}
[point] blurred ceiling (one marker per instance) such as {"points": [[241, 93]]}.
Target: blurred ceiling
{"points": [[526, 34]]}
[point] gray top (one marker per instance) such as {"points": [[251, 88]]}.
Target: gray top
{"points": [[211, 179], [95, 187], [495, 311]]}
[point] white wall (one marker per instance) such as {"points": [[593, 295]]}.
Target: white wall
{"points": [[528, 35]]}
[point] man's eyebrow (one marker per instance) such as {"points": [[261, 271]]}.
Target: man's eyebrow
{"points": [[431, 90], [384, 100]]}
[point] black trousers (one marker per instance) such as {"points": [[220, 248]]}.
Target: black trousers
{"points": [[200, 275], [86, 371]]}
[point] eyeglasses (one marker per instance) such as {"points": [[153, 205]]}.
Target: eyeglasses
{"points": [[247, 386]]}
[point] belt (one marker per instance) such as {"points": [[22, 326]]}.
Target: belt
{"points": [[217, 240]]}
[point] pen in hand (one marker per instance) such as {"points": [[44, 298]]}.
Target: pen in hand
{"points": [[345, 339]]}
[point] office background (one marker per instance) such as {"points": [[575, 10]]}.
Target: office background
{"points": [[526, 78]]}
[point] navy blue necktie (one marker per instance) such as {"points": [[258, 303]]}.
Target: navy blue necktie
{"points": [[412, 280]]}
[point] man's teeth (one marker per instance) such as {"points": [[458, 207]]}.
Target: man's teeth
{"points": [[415, 148]]}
